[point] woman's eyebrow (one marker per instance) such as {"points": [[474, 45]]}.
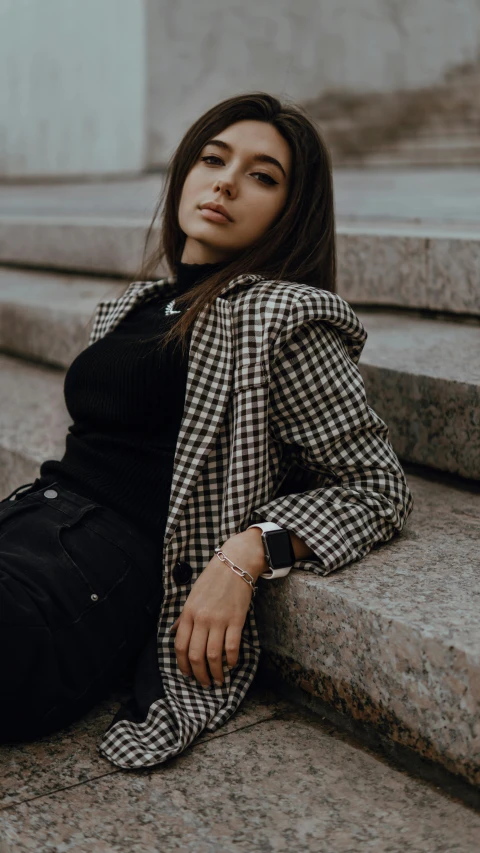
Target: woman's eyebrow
{"points": [[257, 158]]}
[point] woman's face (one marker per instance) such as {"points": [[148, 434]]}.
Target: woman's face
{"points": [[252, 191]]}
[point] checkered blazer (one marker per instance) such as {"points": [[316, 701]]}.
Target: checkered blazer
{"points": [[272, 384]]}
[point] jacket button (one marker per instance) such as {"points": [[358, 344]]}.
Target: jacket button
{"points": [[182, 572]]}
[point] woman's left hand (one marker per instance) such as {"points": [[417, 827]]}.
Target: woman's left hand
{"points": [[215, 611]]}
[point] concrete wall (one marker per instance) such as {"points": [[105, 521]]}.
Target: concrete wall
{"points": [[72, 87], [92, 87], [201, 52]]}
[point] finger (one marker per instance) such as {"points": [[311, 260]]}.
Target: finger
{"points": [[233, 638], [182, 642], [197, 653], [215, 640], [175, 624]]}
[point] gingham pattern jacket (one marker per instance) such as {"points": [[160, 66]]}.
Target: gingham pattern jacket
{"points": [[272, 382]]}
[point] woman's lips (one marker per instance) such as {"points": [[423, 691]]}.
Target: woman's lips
{"points": [[214, 215]]}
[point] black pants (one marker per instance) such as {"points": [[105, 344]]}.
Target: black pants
{"points": [[80, 592]]}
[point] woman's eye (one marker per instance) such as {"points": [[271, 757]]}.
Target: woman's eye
{"points": [[268, 180], [211, 157]]}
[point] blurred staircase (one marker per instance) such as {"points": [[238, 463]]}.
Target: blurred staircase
{"points": [[428, 126], [391, 644]]}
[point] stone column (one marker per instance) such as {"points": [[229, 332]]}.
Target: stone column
{"points": [[72, 87]]}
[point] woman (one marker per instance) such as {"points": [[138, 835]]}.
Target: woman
{"points": [[199, 397]]}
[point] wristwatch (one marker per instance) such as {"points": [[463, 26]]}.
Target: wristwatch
{"points": [[278, 549]]}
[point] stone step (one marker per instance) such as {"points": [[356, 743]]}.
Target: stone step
{"points": [[422, 376], [46, 317], [33, 420], [407, 238], [434, 268], [429, 266], [316, 790], [393, 642]]}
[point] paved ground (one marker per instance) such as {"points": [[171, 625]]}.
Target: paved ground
{"points": [[436, 196], [275, 779]]}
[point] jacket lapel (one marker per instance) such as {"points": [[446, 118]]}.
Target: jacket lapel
{"points": [[209, 381], [209, 385]]}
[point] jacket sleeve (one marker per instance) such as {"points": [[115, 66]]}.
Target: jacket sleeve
{"points": [[318, 408]]}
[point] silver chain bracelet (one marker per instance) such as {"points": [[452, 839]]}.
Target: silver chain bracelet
{"points": [[238, 571]]}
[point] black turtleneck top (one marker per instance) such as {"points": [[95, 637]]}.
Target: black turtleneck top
{"points": [[126, 400]]}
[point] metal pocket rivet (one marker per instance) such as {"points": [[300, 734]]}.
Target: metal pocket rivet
{"points": [[50, 493], [94, 597]]}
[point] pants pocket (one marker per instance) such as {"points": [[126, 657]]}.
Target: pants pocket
{"points": [[100, 564]]}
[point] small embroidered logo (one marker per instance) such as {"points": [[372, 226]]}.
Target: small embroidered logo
{"points": [[169, 309]]}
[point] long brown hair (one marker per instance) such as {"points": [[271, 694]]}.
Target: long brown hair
{"points": [[299, 246]]}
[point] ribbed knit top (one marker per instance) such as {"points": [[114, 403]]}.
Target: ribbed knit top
{"points": [[126, 401]]}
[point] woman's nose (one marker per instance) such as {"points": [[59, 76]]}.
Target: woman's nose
{"points": [[224, 186]]}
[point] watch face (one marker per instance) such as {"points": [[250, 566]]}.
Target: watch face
{"points": [[280, 548]]}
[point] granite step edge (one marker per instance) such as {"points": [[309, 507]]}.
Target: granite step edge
{"points": [[395, 721], [393, 642], [406, 265]]}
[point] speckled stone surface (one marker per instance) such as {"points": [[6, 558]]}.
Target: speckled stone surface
{"points": [[412, 265], [70, 757], [381, 269], [454, 275], [65, 758], [423, 378], [284, 784], [394, 640], [377, 266], [47, 317], [34, 423], [81, 244]]}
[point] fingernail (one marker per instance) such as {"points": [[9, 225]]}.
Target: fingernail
{"points": [[218, 683]]}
